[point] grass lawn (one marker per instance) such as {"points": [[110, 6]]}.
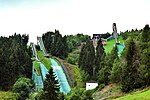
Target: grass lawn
{"points": [[44, 60], [37, 67], [8, 96], [137, 96], [110, 44]]}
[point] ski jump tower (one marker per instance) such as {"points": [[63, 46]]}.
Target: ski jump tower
{"points": [[115, 34], [41, 44], [34, 51]]}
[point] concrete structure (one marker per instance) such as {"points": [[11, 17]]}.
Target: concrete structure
{"points": [[91, 85], [115, 34]]}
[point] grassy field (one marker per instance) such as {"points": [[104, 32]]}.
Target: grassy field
{"points": [[110, 44], [37, 67], [137, 96], [44, 60], [8, 95]]}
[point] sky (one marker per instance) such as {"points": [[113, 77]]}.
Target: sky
{"points": [[35, 17]]}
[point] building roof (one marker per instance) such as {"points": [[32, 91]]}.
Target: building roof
{"points": [[91, 81]]}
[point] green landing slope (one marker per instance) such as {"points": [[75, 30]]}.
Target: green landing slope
{"points": [[110, 44]]}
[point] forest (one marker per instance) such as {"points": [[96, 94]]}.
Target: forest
{"points": [[15, 60], [130, 71]]}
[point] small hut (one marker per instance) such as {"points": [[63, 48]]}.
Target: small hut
{"points": [[91, 85]]}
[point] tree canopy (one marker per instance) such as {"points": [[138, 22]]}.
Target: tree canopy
{"points": [[15, 59], [55, 44]]}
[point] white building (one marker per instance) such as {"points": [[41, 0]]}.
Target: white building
{"points": [[91, 85]]}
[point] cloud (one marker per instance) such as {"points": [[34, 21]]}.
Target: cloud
{"points": [[72, 16]]}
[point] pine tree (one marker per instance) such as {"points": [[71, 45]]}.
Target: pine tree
{"points": [[110, 58], [130, 71], [100, 56], [116, 71], [51, 87], [87, 58], [82, 56], [65, 47], [104, 72], [146, 34], [145, 55], [145, 66], [55, 44], [15, 60]]}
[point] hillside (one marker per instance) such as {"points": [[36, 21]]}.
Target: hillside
{"points": [[113, 92], [138, 95], [109, 91], [110, 44], [8, 96]]}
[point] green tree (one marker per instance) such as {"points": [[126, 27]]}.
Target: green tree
{"points": [[100, 56], [75, 94], [124, 35], [145, 66], [15, 60], [65, 47], [103, 74], [115, 74], [82, 56], [90, 58], [146, 34], [87, 95], [75, 41], [23, 86], [130, 70], [55, 44], [105, 63], [85, 76], [145, 55], [51, 87], [110, 58]]}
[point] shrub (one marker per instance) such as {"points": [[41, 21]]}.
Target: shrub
{"points": [[23, 86]]}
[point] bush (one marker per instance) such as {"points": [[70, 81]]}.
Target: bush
{"points": [[100, 87], [85, 76], [103, 75], [40, 95], [87, 95], [8, 96], [71, 60], [75, 94], [23, 86], [115, 74], [79, 94]]}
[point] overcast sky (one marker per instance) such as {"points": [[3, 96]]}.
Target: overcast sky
{"points": [[35, 17]]}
